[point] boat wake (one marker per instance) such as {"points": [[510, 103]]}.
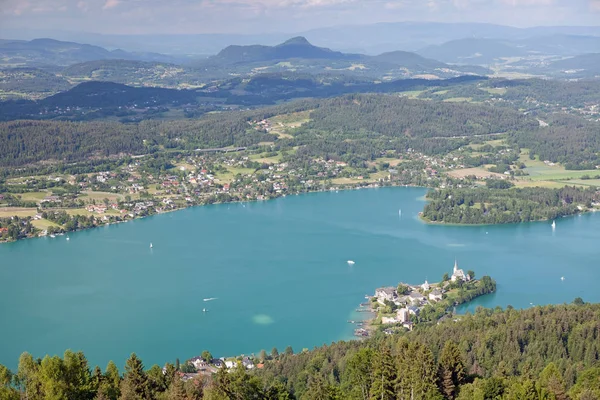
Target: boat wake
{"points": [[211, 299]]}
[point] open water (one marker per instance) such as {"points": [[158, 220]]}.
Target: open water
{"points": [[277, 269]]}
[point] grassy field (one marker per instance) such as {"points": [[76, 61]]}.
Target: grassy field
{"points": [[392, 161], [459, 100], [582, 182], [263, 159], [100, 196], [33, 196], [495, 142], [412, 94], [282, 124], [545, 184], [497, 91], [44, 224], [7, 212], [555, 175], [83, 211], [227, 177], [481, 172]]}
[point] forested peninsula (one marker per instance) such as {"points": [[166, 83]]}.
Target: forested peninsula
{"points": [[540, 353], [491, 205]]}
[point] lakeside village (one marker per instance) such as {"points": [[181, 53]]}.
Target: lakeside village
{"points": [[395, 309], [400, 308], [135, 187]]}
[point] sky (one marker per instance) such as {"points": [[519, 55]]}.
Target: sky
{"points": [[269, 16]]}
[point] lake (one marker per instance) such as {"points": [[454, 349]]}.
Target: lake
{"points": [[277, 269]]}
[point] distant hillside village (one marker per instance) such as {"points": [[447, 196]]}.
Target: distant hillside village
{"points": [[404, 306]]}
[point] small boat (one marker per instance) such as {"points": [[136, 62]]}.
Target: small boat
{"points": [[150, 245], [562, 278], [350, 262], [52, 236], [204, 310], [553, 224], [68, 238], [210, 299], [400, 212]]}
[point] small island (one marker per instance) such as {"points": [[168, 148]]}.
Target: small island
{"points": [[404, 306]]}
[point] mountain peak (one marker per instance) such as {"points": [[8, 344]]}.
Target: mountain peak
{"points": [[298, 40]]}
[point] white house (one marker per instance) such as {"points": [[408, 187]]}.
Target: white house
{"points": [[230, 364], [435, 295], [425, 286], [385, 293]]}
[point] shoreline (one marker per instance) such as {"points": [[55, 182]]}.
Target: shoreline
{"points": [[438, 223], [368, 186], [401, 308]]}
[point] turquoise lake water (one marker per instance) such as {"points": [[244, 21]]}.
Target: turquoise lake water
{"points": [[278, 269]]}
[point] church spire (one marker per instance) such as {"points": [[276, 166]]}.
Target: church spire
{"points": [[455, 265]]}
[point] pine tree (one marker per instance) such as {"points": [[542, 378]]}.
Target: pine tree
{"points": [[176, 390], [28, 377], [111, 381], [451, 370], [384, 376], [135, 382], [274, 353], [552, 380], [359, 373]]}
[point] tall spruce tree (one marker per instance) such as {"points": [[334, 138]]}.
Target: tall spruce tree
{"points": [[384, 375], [451, 370], [135, 382]]}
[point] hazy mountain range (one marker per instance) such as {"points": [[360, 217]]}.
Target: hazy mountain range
{"points": [[45, 52], [368, 39]]}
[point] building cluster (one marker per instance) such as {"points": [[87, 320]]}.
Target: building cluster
{"points": [[414, 298]]}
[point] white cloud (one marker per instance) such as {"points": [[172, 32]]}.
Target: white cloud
{"points": [[110, 4]]}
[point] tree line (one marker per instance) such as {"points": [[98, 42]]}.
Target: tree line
{"points": [[506, 205], [541, 353]]}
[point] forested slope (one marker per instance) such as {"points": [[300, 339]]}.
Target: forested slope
{"points": [[363, 125], [23, 142], [542, 353]]}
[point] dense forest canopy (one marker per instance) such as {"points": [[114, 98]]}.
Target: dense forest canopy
{"points": [[569, 140], [24, 142], [542, 353], [393, 116], [375, 122], [498, 206]]}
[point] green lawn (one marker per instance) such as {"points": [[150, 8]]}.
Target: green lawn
{"points": [[33, 196], [227, 177], [44, 224], [269, 160], [7, 212], [100, 196]]}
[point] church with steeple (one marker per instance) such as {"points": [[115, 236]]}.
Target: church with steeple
{"points": [[459, 274]]}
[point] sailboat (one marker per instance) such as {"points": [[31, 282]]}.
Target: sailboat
{"points": [[553, 224], [350, 262], [150, 245], [400, 212]]}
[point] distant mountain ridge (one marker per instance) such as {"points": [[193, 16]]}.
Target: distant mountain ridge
{"points": [[367, 39], [43, 52], [297, 47], [486, 51], [323, 59]]}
